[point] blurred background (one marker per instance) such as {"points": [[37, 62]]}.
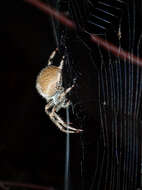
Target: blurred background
{"points": [[32, 149]]}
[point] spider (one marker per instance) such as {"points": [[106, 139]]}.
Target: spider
{"points": [[49, 86]]}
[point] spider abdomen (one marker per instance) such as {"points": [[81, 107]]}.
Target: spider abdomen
{"points": [[47, 81]]}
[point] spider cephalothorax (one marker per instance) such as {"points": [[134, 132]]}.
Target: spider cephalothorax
{"points": [[49, 85]]}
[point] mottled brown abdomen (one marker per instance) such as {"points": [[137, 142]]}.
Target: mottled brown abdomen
{"points": [[47, 80]]}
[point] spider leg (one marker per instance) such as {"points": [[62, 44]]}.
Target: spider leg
{"points": [[66, 104], [57, 120], [48, 106], [66, 125], [55, 109], [62, 99], [62, 63], [52, 56], [63, 94], [62, 104], [54, 119]]}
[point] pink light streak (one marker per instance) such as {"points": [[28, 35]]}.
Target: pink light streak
{"points": [[30, 186], [50, 11], [116, 51], [103, 43]]}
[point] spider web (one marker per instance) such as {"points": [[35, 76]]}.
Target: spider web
{"points": [[107, 97]]}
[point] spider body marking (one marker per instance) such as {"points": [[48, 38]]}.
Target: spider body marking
{"points": [[49, 86]]}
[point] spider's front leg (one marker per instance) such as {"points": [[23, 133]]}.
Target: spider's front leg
{"points": [[60, 123], [67, 129], [56, 119], [61, 100], [63, 104], [63, 94]]}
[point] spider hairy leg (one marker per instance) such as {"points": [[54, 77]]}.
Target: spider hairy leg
{"points": [[52, 56], [62, 63], [57, 120], [67, 104], [54, 118], [66, 125], [62, 105], [66, 92], [49, 105]]}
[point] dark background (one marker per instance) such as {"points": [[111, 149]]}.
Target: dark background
{"points": [[32, 149]]}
